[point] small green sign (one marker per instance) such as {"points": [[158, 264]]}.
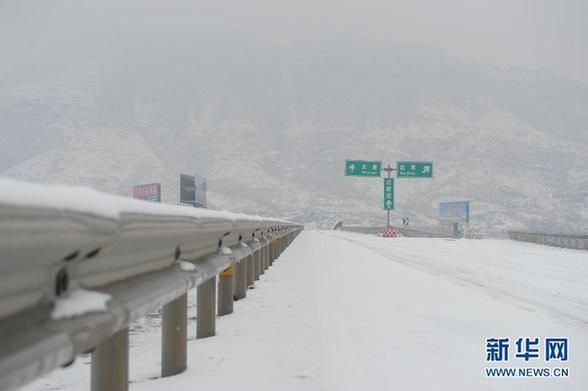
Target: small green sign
{"points": [[362, 168], [388, 193], [405, 221], [407, 169]]}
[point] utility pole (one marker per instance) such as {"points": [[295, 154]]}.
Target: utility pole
{"points": [[389, 170]]}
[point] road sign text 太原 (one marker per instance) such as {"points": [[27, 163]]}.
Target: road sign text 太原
{"points": [[369, 168]]}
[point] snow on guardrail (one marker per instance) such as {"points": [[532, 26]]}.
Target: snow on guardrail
{"points": [[86, 200]]}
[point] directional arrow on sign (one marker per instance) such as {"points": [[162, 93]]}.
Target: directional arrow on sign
{"points": [[388, 204], [352, 168]]}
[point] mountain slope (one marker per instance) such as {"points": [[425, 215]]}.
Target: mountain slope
{"points": [[270, 126]]}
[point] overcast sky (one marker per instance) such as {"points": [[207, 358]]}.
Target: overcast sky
{"points": [[537, 34]]}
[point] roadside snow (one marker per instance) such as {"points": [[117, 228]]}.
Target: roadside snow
{"points": [[80, 302], [186, 266]]}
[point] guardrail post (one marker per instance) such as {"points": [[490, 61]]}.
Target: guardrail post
{"points": [[110, 363], [263, 259], [270, 253], [275, 243], [174, 336], [241, 280], [206, 309], [276, 250], [262, 256], [226, 286], [250, 271], [257, 264]]}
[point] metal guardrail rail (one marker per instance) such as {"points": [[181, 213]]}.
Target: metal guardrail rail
{"points": [[413, 233], [78, 266], [579, 242]]}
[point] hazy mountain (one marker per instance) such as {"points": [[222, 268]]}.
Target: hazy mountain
{"points": [[270, 126]]}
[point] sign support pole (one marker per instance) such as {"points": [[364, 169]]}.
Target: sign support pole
{"points": [[389, 170]]}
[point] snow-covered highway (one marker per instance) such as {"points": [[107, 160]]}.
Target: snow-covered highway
{"points": [[540, 278], [343, 311]]}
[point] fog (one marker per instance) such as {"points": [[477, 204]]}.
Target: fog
{"points": [[539, 34]]}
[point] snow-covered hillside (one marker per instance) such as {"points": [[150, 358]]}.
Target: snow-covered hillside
{"points": [[270, 126]]}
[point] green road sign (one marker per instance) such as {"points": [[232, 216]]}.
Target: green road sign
{"points": [[414, 169], [362, 168], [388, 193], [405, 221]]}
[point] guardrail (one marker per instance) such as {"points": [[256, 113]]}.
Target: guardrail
{"points": [[78, 266], [579, 242], [413, 233]]}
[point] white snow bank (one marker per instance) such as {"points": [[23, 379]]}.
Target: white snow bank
{"points": [[80, 302], [86, 200], [187, 266]]}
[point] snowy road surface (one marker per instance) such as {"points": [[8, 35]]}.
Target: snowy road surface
{"points": [[343, 311]]}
